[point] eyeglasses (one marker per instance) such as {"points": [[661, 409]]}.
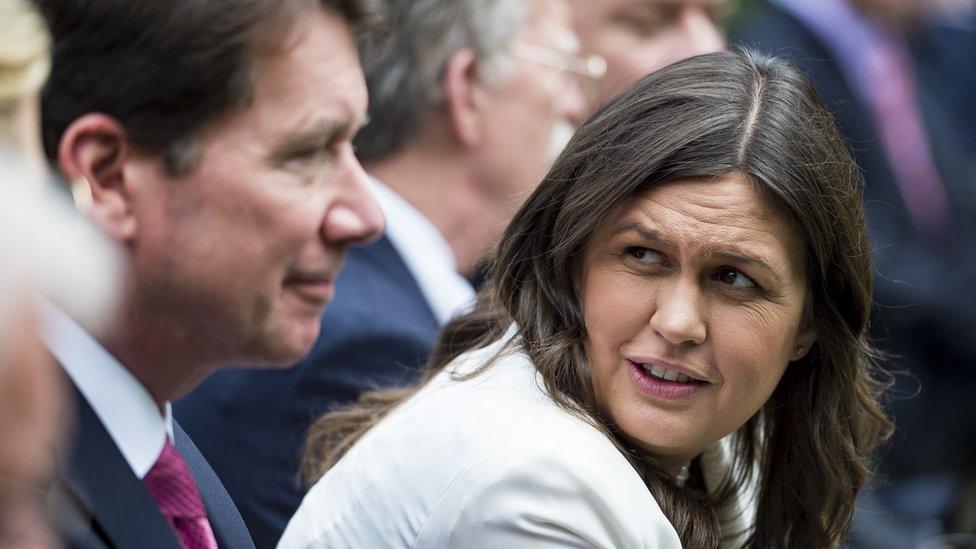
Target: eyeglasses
{"points": [[590, 69], [588, 66]]}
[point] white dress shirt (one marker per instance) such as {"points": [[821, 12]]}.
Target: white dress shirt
{"points": [[490, 461], [124, 406], [426, 254]]}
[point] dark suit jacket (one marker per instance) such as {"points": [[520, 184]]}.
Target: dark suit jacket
{"points": [[251, 424], [99, 503]]}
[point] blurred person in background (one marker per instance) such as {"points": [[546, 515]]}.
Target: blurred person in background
{"points": [[24, 64], [214, 141], [900, 78], [637, 37], [470, 101], [47, 252]]}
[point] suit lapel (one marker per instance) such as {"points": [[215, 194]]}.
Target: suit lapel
{"points": [[225, 519], [383, 256], [101, 482]]}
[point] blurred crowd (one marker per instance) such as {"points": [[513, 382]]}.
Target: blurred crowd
{"points": [[107, 131]]}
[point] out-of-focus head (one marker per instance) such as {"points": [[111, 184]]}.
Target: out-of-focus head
{"points": [[30, 392], [215, 141], [47, 253], [699, 253], [637, 37], [528, 118], [24, 63], [497, 77], [405, 72]]}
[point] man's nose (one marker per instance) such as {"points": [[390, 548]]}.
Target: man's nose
{"points": [[356, 217]]}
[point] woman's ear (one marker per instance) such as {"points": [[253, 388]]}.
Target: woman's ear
{"points": [[464, 88], [92, 156], [804, 342]]}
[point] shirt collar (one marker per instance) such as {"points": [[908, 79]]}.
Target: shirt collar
{"points": [[426, 254], [121, 402]]}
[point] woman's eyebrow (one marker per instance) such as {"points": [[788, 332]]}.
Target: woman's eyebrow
{"points": [[644, 232], [732, 256]]}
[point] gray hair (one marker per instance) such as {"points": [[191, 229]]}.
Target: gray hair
{"points": [[404, 72]]}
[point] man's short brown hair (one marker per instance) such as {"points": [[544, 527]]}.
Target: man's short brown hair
{"points": [[165, 68]]}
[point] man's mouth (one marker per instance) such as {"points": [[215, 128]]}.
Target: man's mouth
{"points": [[314, 289]]}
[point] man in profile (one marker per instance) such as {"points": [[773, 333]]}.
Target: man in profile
{"points": [[214, 143], [470, 101], [638, 37]]}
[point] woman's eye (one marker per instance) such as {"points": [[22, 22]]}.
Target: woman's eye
{"points": [[645, 256], [735, 278]]}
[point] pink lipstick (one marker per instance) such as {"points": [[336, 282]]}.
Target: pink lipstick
{"points": [[654, 386]]}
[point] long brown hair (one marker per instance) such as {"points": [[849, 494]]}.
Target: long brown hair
{"points": [[705, 117]]}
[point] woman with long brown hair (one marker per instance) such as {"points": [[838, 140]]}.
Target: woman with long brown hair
{"points": [[671, 350]]}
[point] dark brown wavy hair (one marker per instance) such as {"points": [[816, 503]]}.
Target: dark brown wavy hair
{"points": [[710, 116]]}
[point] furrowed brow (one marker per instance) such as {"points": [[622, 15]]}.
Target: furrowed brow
{"points": [[644, 232]]}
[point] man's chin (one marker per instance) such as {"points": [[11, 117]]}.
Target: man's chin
{"points": [[287, 349]]}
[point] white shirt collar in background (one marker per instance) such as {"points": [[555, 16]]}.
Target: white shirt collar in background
{"points": [[426, 253], [121, 402]]}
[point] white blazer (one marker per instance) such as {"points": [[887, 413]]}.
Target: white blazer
{"points": [[490, 461]]}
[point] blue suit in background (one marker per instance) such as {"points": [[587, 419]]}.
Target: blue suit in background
{"points": [[925, 307], [251, 424]]}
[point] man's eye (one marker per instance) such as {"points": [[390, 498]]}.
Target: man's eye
{"points": [[643, 26], [645, 256], [310, 157], [310, 153], [735, 278], [646, 23]]}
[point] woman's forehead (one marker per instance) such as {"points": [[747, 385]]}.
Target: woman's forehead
{"points": [[727, 215]]}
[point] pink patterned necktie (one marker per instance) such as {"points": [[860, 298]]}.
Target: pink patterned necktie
{"points": [[171, 484]]}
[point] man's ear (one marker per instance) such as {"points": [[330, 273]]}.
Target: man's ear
{"points": [[804, 342], [464, 89], [92, 156]]}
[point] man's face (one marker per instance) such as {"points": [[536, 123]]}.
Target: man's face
{"points": [[637, 37], [533, 112], [242, 253]]}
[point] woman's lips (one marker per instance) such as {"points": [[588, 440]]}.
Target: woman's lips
{"points": [[662, 388]]}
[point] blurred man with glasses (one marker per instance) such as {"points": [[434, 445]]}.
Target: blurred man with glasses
{"points": [[637, 37]]}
